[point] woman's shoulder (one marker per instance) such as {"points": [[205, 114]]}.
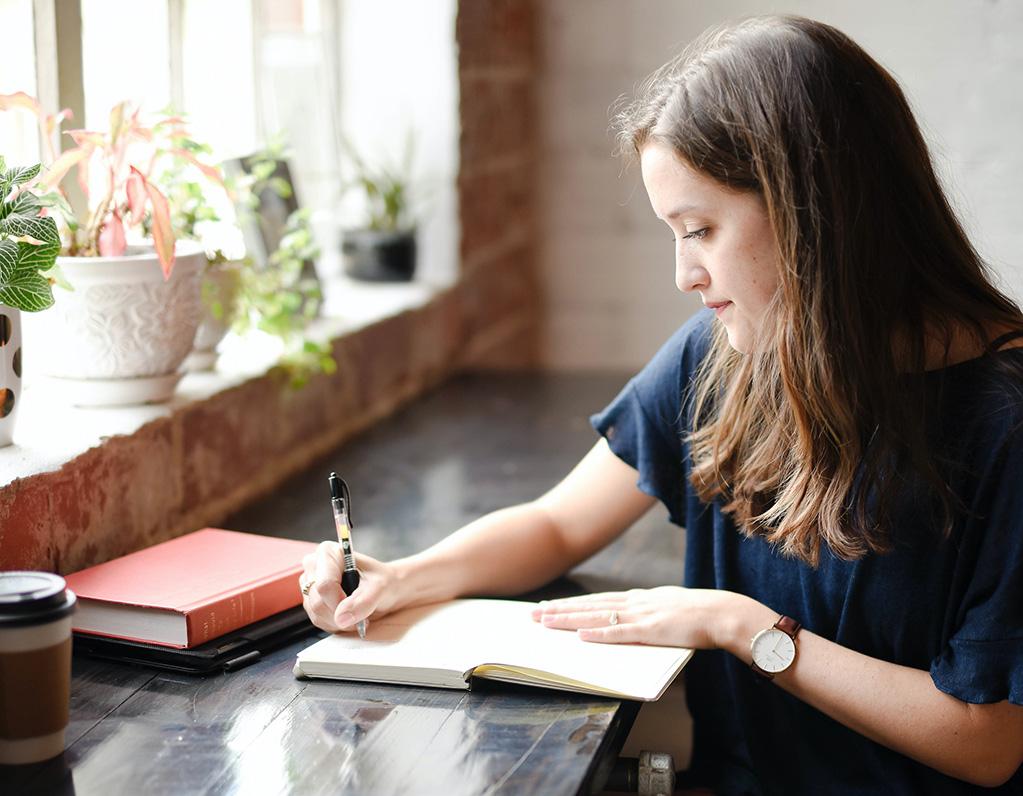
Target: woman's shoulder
{"points": [[1000, 405], [978, 420], [990, 389]]}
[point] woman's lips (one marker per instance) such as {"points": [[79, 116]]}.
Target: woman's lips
{"points": [[719, 307]]}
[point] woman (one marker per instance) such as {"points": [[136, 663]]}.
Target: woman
{"points": [[841, 436]]}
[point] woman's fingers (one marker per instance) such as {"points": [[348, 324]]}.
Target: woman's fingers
{"points": [[667, 615], [358, 605], [573, 620], [617, 597], [369, 598], [628, 633], [305, 580], [328, 574], [329, 608], [321, 585], [607, 626], [591, 602]]}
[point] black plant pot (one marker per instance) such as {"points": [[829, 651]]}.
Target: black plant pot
{"points": [[377, 256]]}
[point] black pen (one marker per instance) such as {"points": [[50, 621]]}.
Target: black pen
{"points": [[341, 502]]}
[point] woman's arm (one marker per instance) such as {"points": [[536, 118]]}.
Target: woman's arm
{"points": [[896, 706], [509, 551], [521, 548]]}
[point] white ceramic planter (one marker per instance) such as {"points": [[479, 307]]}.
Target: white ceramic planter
{"points": [[10, 371], [120, 336]]}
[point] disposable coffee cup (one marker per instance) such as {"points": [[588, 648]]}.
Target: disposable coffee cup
{"points": [[35, 665]]}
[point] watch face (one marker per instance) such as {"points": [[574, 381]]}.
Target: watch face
{"points": [[773, 650]]}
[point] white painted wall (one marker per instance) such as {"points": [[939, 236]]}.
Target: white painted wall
{"points": [[607, 263]]}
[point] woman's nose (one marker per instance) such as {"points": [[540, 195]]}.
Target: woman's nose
{"points": [[690, 275]]}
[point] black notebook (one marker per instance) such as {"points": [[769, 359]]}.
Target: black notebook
{"points": [[227, 653]]}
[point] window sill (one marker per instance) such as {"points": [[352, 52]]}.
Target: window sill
{"points": [[50, 433], [82, 486]]}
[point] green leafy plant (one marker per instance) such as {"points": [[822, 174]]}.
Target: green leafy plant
{"points": [[29, 241], [274, 299], [199, 201], [115, 171], [385, 189], [263, 176], [278, 299], [198, 194], [188, 196]]}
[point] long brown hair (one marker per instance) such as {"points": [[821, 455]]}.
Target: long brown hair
{"points": [[873, 265]]}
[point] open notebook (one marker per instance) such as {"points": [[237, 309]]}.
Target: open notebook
{"points": [[447, 644]]}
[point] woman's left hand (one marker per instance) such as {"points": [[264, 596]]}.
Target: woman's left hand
{"points": [[670, 616]]}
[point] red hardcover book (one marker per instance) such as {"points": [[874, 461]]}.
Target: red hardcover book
{"points": [[191, 589]]}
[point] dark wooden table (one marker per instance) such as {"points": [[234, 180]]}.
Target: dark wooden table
{"points": [[478, 443]]}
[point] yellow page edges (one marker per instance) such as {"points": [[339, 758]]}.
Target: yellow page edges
{"points": [[526, 675]]}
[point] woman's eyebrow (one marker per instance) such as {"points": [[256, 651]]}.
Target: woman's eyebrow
{"points": [[681, 210]]}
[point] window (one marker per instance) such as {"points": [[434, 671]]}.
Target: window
{"points": [[244, 71], [218, 89], [297, 95], [19, 134], [125, 56]]}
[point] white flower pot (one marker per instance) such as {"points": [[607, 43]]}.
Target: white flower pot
{"points": [[120, 336], [10, 371]]}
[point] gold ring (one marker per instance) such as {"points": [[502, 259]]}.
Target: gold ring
{"points": [[613, 619], [306, 587]]}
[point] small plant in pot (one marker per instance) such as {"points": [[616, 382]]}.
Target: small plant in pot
{"points": [[121, 335], [29, 243], [384, 248]]}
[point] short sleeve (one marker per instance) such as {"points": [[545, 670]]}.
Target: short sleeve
{"points": [[645, 424], [983, 659]]}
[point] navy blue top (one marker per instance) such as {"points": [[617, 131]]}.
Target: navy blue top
{"points": [[953, 607]]}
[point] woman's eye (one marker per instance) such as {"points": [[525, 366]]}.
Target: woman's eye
{"points": [[696, 234]]}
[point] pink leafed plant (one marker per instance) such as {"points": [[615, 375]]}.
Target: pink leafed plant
{"points": [[115, 171]]}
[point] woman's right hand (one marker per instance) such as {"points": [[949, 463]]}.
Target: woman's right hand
{"points": [[328, 607]]}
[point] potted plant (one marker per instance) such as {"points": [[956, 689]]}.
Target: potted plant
{"points": [[29, 243], [383, 249], [275, 293], [121, 336], [282, 296]]}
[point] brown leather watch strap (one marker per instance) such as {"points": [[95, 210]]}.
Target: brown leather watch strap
{"points": [[786, 624]]}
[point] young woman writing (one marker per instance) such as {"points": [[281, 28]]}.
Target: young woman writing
{"points": [[840, 434]]}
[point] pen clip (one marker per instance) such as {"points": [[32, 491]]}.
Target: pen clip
{"points": [[337, 484], [347, 497]]}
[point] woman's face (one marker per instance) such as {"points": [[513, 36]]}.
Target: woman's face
{"points": [[724, 245]]}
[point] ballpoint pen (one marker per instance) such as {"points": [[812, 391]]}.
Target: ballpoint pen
{"points": [[341, 503]]}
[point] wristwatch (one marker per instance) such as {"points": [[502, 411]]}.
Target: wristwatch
{"points": [[774, 649]]}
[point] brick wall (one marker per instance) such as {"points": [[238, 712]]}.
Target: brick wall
{"points": [[181, 472], [209, 458], [497, 71]]}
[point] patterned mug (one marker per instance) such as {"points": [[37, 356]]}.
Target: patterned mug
{"points": [[10, 370]]}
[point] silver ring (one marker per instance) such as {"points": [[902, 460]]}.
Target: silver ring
{"points": [[613, 619], [306, 587]]}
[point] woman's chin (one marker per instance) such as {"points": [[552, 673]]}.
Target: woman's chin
{"points": [[736, 339]]}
